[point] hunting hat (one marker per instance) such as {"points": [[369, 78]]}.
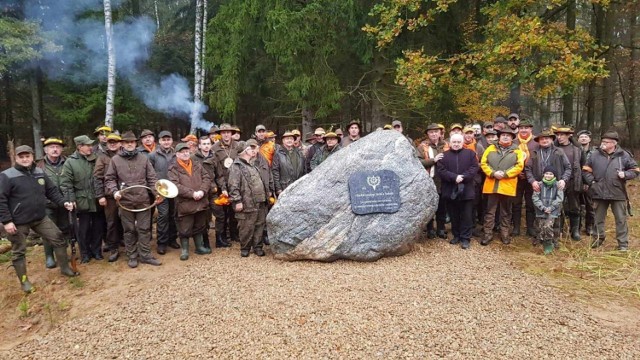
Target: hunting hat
{"points": [[270, 134], [237, 128], [564, 130], [182, 146], [514, 115], [83, 140], [213, 130], [163, 133], [102, 129], [309, 136], [433, 126], [114, 137], [544, 133], [487, 124], [551, 169], [260, 127], [500, 119], [296, 132], [190, 137], [354, 122], [287, 134], [491, 132], [613, 135], [468, 128], [455, 126], [249, 143], [130, 136], [584, 132], [388, 127], [24, 149], [340, 133], [226, 127], [54, 141], [146, 132], [330, 135], [525, 123], [395, 123], [507, 130], [319, 131]]}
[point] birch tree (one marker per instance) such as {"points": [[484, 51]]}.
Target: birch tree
{"points": [[111, 69], [197, 87]]}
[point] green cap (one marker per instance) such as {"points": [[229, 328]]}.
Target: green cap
{"points": [[83, 140]]}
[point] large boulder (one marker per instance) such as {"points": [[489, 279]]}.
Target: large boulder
{"points": [[313, 218]]}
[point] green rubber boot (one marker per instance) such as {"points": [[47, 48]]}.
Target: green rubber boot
{"points": [[548, 247], [63, 262], [21, 270], [184, 245], [50, 261], [200, 249]]}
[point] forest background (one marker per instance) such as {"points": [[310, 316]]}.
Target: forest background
{"points": [[68, 66]]}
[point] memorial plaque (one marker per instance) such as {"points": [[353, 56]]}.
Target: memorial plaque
{"points": [[374, 192]]}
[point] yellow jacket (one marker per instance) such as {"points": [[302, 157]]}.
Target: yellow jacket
{"points": [[510, 160]]}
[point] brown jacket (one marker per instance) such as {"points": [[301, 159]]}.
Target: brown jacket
{"points": [[136, 170], [220, 153], [199, 180], [99, 171]]}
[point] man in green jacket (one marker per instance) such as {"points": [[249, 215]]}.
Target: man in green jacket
{"points": [[78, 187]]}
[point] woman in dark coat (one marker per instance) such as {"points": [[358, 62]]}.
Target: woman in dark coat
{"points": [[457, 170]]}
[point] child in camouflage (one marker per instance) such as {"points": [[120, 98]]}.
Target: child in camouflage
{"points": [[548, 204]]}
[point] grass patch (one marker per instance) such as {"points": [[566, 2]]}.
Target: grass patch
{"points": [[76, 282], [23, 307]]}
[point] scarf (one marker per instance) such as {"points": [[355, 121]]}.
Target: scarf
{"points": [[187, 165], [549, 182], [524, 145], [150, 149], [128, 154]]}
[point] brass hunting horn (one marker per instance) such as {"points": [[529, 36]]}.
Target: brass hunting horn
{"points": [[164, 187]]}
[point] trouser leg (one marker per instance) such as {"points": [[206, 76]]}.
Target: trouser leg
{"points": [[619, 209], [516, 209], [259, 226], [454, 213], [144, 234], [163, 224], [465, 209], [246, 227], [84, 234], [490, 215], [97, 232], [130, 235], [505, 216], [600, 207], [441, 214], [114, 226]]}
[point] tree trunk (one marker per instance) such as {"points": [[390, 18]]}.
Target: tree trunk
{"points": [[514, 99], [567, 99], [155, 5], [197, 83], [609, 83], [36, 82], [307, 121], [203, 70], [634, 40], [111, 72]]}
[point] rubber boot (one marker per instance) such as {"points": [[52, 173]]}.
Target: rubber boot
{"points": [[63, 262], [50, 261], [221, 242], [184, 244], [21, 270], [200, 249], [574, 222], [517, 219], [548, 247], [205, 239]]}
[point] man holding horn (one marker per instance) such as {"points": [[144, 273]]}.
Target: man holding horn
{"points": [[127, 169]]}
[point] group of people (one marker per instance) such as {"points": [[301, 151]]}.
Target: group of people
{"points": [[109, 186], [485, 173]]}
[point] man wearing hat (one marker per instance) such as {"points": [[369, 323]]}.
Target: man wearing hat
{"points": [[191, 141], [513, 121], [249, 195], [315, 147], [161, 159], [260, 134], [24, 192], [330, 147], [432, 150], [115, 233], [607, 172], [127, 169], [584, 139], [500, 123], [354, 133], [455, 129], [192, 202], [78, 186], [547, 154], [148, 142], [526, 144], [213, 134], [225, 152], [288, 164], [340, 134], [502, 163], [236, 136], [297, 143], [573, 188], [486, 126], [51, 164], [101, 133]]}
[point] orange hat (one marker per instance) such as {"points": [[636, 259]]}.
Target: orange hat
{"points": [[190, 137]]}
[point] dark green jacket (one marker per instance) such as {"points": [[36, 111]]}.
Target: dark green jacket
{"points": [[54, 172], [78, 182], [322, 154], [282, 168]]}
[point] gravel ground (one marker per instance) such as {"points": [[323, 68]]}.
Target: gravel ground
{"points": [[438, 301]]}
